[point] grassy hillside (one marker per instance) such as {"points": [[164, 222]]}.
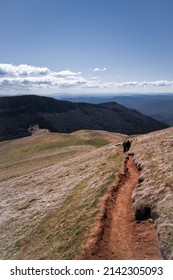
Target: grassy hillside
{"points": [[51, 185], [154, 193]]}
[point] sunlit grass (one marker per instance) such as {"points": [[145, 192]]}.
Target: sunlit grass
{"points": [[70, 225], [154, 153], [62, 232]]}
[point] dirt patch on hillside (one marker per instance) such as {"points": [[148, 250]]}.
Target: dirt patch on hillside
{"points": [[119, 236]]}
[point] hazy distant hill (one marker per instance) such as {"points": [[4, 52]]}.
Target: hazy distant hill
{"points": [[156, 106], [18, 113]]}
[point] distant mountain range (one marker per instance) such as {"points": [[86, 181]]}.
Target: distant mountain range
{"points": [[157, 106], [18, 113]]}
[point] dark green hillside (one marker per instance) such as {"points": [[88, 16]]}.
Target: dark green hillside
{"points": [[18, 113]]}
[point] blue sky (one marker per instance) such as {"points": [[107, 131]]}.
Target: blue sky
{"points": [[86, 46]]}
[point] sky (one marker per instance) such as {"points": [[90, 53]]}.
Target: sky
{"points": [[86, 46]]}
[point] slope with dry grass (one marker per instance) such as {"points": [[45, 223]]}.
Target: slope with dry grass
{"points": [[50, 186], [153, 196]]}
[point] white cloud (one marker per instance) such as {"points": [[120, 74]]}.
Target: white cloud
{"points": [[66, 73], [26, 77], [134, 84], [40, 82], [162, 83], [30, 77], [9, 70], [99, 69]]}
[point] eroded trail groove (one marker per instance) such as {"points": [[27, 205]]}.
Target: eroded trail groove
{"points": [[122, 237]]}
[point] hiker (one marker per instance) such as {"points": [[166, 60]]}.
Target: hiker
{"points": [[128, 144], [124, 146]]}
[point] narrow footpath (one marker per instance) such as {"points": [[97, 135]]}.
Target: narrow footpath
{"points": [[122, 237]]}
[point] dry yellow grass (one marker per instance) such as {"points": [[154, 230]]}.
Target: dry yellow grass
{"points": [[154, 154], [50, 189], [51, 185]]}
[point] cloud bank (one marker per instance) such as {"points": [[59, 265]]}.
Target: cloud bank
{"points": [[27, 77]]}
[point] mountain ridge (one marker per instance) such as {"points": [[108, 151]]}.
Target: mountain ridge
{"points": [[157, 106], [19, 113]]}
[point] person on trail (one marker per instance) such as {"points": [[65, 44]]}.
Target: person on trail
{"points": [[128, 144], [124, 146]]}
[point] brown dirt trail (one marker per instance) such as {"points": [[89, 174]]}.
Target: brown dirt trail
{"points": [[122, 237]]}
